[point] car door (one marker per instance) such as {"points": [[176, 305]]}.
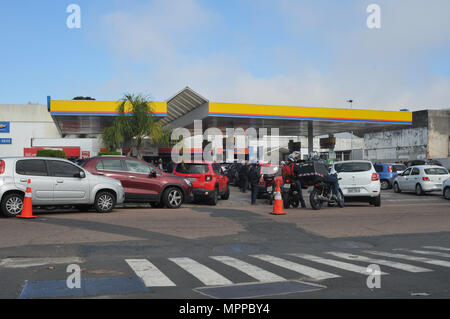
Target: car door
{"points": [[403, 179], [413, 178], [220, 177], [69, 187], [142, 181], [41, 184], [113, 168]]}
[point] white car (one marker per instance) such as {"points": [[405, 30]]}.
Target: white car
{"points": [[358, 181], [446, 189], [421, 179]]}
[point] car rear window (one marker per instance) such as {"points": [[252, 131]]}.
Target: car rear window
{"points": [[352, 167], [192, 168], [436, 171], [378, 168], [398, 168]]}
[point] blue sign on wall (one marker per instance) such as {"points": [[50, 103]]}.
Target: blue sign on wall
{"points": [[5, 140], [4, 127]]}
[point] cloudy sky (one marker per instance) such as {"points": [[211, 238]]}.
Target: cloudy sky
{"points": [[286, 52]]}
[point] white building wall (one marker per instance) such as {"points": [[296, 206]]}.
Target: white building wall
{"points": [[27, 121]]}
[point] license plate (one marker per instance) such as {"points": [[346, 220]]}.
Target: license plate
{"points": [[269, 189], [192, 179], [353, 190], [287, 186]]}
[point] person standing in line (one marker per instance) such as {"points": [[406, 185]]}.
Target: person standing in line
{"points": [[254, 176], [243, 177]]}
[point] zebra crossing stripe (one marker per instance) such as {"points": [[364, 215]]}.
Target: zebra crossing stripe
{"points": [[413, 258], [423, 252], [335, 263], [249, 269], [392, 264], [206, 275], [437, 248], [150, 275], [304, 270]]}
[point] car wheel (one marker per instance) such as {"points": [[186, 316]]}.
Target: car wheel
{"points": [[396, 188], [419, 190], [11, 205], [227, 193], [376, 201], [384, 184], [104, 202], [447, 193], [173, 198], [214, 197]]}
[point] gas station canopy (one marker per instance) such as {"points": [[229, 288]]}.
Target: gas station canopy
{"points": [[91, 117]]}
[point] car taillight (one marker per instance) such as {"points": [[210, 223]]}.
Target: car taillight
{"points": [[208, 178], [426, 179], [374, 177], [389, 169], [2, 167], [288, 181]]}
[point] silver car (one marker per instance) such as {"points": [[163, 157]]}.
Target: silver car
{"points": [[54, 182], [421, 179]]}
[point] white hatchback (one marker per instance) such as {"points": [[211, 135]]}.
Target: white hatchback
{"points": [[421, 179], [358, 181]]}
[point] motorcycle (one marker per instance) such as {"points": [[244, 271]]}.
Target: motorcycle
{"points": [[269, 181], [289, 194], [323, 192]]}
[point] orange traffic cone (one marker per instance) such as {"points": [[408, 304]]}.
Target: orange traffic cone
{"points": [[27, 207], [278, 201]]}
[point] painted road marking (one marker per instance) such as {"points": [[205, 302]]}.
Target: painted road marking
{"points": [[304, 270], [205, 274], [335, 263], [150, 275], [423, 252], [393, 264], [249, 269], [413, 258], [33, 262], [437, 248]]}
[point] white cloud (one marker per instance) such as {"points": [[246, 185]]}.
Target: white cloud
{"points": [[386, 68]]}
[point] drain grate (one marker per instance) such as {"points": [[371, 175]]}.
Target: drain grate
{"points": [[252, 290]]}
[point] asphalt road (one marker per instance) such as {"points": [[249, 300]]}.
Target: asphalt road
{"points": [[232, 250]]}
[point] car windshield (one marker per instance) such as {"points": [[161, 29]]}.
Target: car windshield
{"points": [[191, 168], [352, 167], [436, 171]]}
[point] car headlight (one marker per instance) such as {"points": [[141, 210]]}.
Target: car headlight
{"points": [[187, 182]]}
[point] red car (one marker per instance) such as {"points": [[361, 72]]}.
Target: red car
{"points": [[142, 181], [208, 180]]}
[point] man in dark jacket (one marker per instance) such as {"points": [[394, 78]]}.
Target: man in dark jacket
{"points": [[243, 177], [254, 175]]}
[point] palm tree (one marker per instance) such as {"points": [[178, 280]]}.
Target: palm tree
{"points": [[135, 123]]}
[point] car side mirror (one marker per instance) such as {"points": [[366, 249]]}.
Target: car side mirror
{"points": [[153, 174], [81, 174]]}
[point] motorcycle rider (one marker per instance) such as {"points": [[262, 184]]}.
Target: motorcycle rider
{"points": [[290, 171], [331, 179]]}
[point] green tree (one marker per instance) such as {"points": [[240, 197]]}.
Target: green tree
{"points": [[135, 123]]}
